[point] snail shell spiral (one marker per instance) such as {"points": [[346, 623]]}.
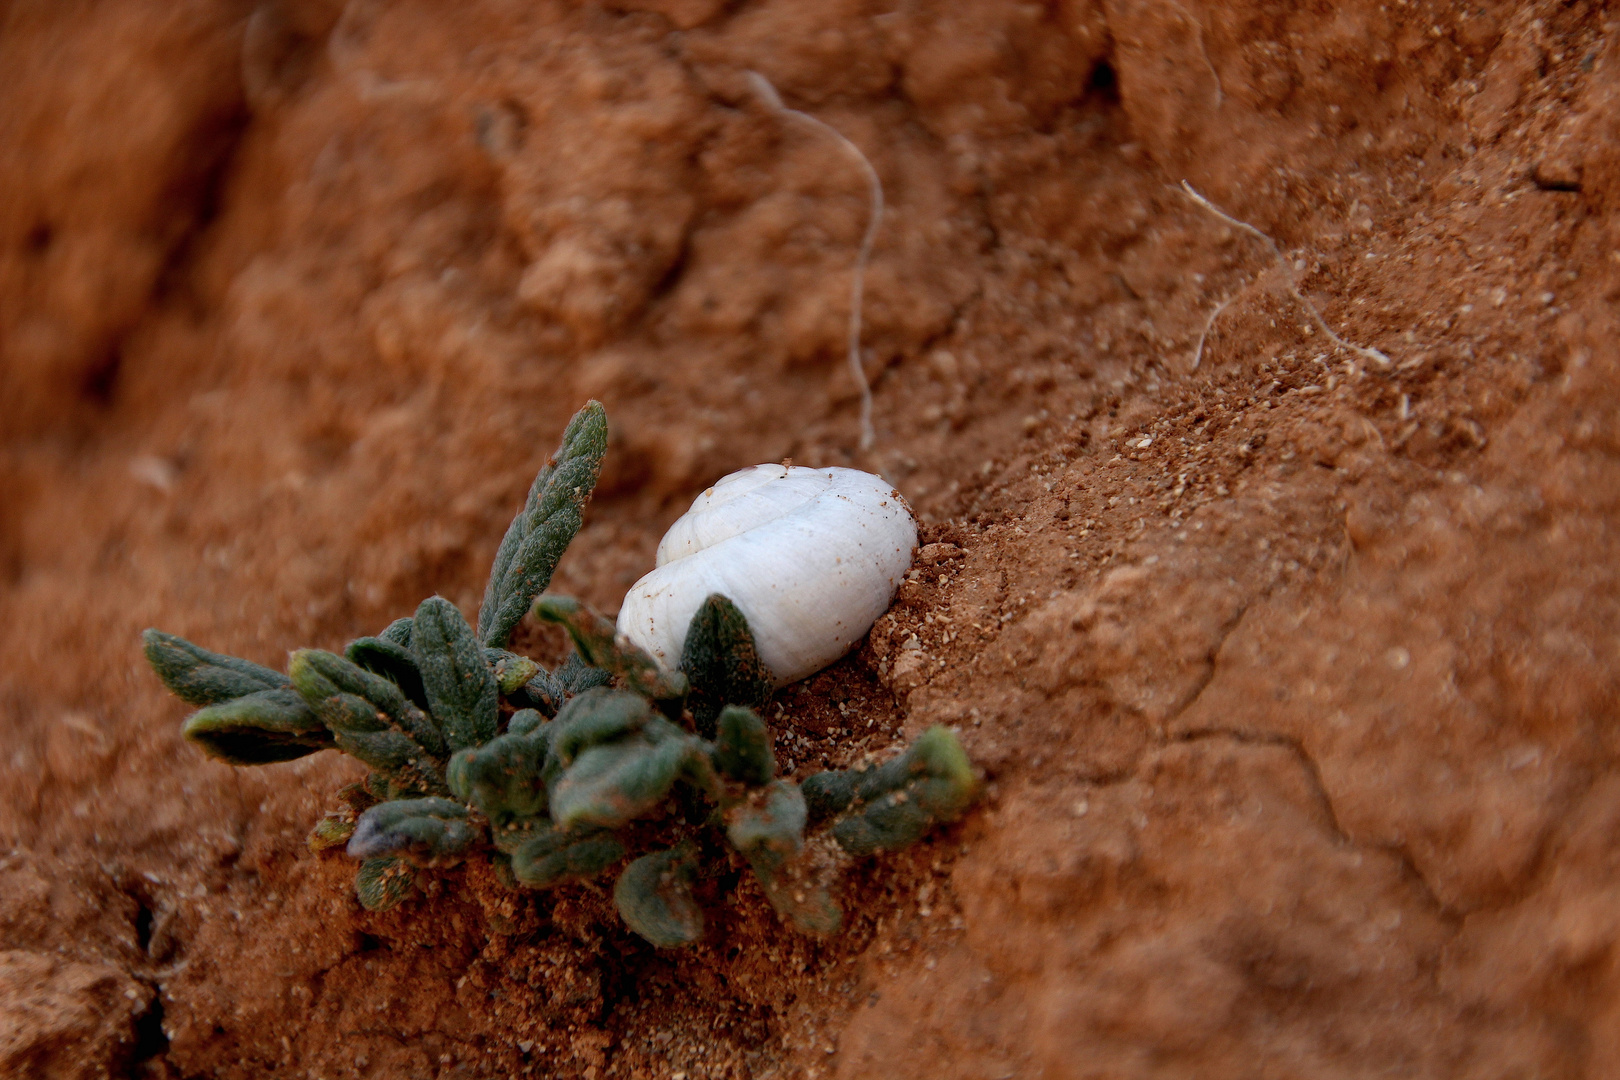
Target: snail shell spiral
{"points": [[811, 557]]}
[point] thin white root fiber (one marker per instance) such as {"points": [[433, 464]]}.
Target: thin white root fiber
{"points": [[1209, 324], [1362, 351], [767, 93]]}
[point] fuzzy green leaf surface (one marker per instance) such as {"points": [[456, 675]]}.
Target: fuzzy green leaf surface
{"points": [[461, 689], [540, 693], [332, 830], [575, 676], [892, 821], [768, 831], [722, 664], [502, 778], [259, 728], [549, 691], [542, 530], [360, 728], [553, 856], [654, 898], [511, 670], [383, 882], [392, 661], [318, 674], [424, 832], [525, 722], [898, 802], [612, 784], [742, 747], [829, 793], [199, 677], [397, 757], [599, 715], [399, 631], [338, 709]]}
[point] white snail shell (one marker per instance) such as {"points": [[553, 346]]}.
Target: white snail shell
{"points": [[811, 557]]}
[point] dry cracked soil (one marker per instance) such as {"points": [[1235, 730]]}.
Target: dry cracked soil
{"points": [[1271, 555]]}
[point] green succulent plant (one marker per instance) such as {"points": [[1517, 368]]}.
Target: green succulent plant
{"points": [[478, 752]]}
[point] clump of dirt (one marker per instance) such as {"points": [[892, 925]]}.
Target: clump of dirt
{"points": [[1293, 671]]}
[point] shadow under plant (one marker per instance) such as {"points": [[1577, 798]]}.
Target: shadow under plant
{"points": [[561, 775]]}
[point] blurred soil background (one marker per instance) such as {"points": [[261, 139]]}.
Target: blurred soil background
{"points": [[1293, 667]]}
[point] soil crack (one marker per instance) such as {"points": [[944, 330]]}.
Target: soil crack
{"points": [[1409, 868]]}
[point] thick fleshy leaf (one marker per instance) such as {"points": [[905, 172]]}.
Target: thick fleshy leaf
{"points": [[596, 716], [549, 691], [896, 803], [321, 676], [891, 821], [460, 687], [258, 728], [525, 722], [947, 785], [362, 729], [601, 646], [541, 693], [399, 631], [391, 660], [199, 677], [612, 784], [829, 793], [502, 778], [511, 670], [424, 832], [332, 830], [338, 709], [654, 898], [742, 748], [721, 663], [575, 676], [552, 856], [543, 529], [394, 754], [768, 830], [383, 882]]}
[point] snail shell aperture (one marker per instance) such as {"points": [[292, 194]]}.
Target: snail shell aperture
{"points": [[811, 557]]}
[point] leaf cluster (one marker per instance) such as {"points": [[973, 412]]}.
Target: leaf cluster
{"points": [[476, 751]]}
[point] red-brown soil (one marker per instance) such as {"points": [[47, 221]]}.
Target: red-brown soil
{"points": [[1294, 673]]}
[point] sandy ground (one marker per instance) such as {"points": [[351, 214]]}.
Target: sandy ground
{"points": [[1289, 642]]}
